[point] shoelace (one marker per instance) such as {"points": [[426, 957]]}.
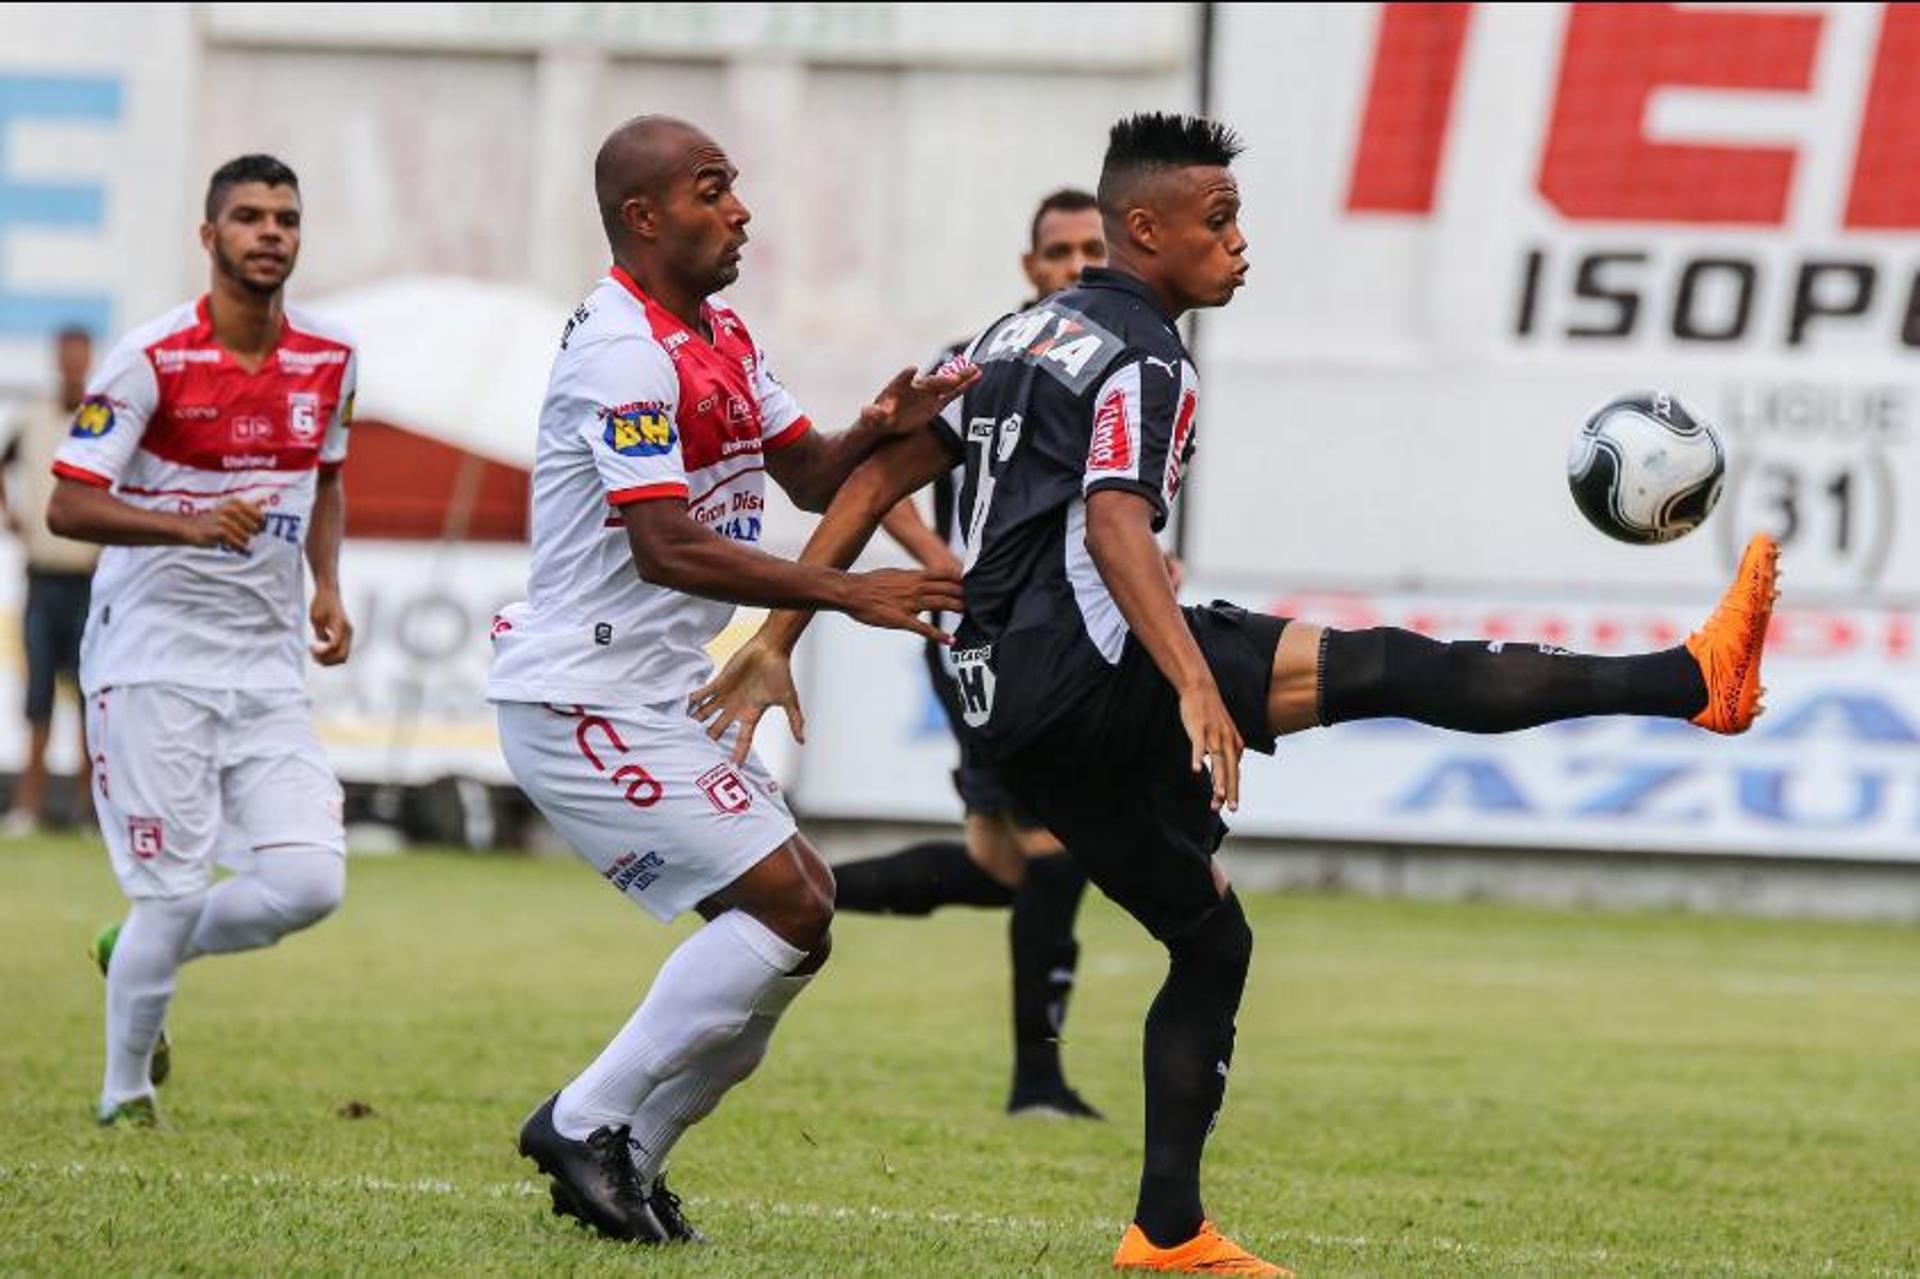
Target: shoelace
{"points": [[666, 1208], [614, 1147]]}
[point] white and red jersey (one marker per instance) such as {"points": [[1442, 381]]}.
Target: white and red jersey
{"points": [[639, 408], [172, 422]]}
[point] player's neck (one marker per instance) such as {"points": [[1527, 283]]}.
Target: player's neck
{"points": [[245, 323], [683, 304], [1127, 265]]}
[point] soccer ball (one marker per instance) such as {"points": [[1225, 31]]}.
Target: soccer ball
{"points": [[1646, 468]]}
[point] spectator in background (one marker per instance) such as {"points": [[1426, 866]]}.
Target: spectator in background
{"points": [[59, 577]]}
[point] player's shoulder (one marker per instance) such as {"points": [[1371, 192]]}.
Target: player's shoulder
{"points": [[1074, 336], [305, 328], [174, 326], [610, 332], [607, 315]]}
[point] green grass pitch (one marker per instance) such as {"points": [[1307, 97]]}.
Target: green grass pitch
{"points": [[1419, 1089]]}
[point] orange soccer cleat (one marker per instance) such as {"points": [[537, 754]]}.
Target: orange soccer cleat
{"points": [[1728, 646], [1207, 1253]]}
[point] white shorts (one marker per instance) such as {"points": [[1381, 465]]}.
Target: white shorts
{"points": [[184, 777], [646, 796]]}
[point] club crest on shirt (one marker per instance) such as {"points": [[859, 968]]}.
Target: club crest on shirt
{"points": [[639, 430], [303, 414], [93, 419]]}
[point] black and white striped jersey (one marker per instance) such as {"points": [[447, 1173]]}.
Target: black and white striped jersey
{"points": [[1089, 389]]}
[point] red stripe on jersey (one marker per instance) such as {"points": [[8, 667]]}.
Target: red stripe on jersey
{"points": [[795, 429], [68, 471], [132, 491], [646, 493]]}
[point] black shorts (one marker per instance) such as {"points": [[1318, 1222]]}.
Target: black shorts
{"points": [[981, 786], [1113, 776], [56, 617]]}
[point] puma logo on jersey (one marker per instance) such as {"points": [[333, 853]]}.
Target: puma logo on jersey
{"points": [[1165, 364]]}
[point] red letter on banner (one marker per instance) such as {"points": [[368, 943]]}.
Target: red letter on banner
{"points": [[1598, 163], [1886, 172], [1416, 59]]}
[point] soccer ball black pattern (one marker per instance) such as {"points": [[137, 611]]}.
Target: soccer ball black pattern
{"points": [[1646, 468]]}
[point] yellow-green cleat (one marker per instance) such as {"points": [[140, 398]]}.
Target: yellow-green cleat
{"points": [[102, 954], [139, 1112]]}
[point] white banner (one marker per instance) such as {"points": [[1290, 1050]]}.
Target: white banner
{"points": [[1471, 224]]}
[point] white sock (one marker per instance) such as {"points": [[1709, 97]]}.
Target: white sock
{"points": [[286, 889], [701, 999], [140, 976], [690, 1096]]}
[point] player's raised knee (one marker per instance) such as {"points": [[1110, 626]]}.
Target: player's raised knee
{"points": [[303, 885]]}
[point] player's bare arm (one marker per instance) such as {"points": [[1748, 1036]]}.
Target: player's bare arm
{"points": [[671, 550], [911, 532], [88, 513], [814, 467], [332, 630], [1134, 568]]}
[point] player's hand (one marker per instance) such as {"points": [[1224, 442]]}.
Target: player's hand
{"points": [[756, 677], [895, 598], [1216, 742], [233, 525], [913, 398], [331, 629]]}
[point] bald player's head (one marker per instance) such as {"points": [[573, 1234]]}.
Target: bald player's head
{"points": [[666, 197]]}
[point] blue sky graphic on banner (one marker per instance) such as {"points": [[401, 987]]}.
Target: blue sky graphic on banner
{"points": [[26, 203]]}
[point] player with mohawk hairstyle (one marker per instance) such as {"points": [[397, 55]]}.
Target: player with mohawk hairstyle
{"points": [[1118, 716]]}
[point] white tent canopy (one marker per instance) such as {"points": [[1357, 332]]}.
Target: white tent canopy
{"points": [[462, 361]]}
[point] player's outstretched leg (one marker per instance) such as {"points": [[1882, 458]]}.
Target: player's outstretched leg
{"points": [[1045, 957], [917, 880], [1713, 680]]}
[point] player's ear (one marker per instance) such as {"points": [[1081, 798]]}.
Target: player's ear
{"points": [[1029, 263], [206, 236], [1143, 227], [639, 216]]}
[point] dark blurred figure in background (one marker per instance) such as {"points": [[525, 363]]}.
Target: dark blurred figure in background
{"points": [[59, 578]]}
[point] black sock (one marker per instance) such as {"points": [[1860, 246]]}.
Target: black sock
{"points": [[1480, 687], [1188, 1046], [915, 880], [1045, 955]]}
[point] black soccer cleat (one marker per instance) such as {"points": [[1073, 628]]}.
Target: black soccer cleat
{"points": [[594, 1181], [1049, 1099], [666, 1210]]}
